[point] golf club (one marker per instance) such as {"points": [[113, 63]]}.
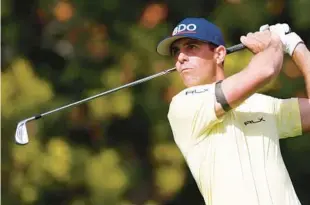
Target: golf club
{"points": [[21, 135]]}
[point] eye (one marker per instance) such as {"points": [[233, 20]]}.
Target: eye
{"points": [[175, 51], [192, 46]]}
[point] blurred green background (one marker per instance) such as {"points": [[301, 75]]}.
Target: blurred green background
{"points": [[118, 149]]}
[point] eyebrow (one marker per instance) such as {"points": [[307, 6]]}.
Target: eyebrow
{"points": [[189, 41]]}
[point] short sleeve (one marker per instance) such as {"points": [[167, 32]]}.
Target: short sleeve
{"points": [[192, 112], [288, 117]]}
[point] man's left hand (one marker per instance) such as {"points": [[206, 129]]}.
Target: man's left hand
{"points": [[289, 40]]}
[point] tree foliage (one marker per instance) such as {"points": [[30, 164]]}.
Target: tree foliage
{"points": [[117, 149]]}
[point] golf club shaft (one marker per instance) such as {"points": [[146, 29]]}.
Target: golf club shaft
{"points": [[108, 92], [229, 50]]}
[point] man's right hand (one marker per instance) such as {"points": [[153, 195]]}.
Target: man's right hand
{"points": [[259, 41]]}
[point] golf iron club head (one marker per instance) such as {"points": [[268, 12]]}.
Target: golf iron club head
{"points": [[21, 134]]}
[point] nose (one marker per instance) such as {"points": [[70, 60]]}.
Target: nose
{"points": [[182, 57]]}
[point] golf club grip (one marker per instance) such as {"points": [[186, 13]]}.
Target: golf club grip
{"points": [[235, 48]]}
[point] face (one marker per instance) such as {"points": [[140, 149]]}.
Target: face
{"points": [[195, 61]]}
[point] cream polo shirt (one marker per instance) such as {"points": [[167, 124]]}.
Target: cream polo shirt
{"points": [[236, 160]]}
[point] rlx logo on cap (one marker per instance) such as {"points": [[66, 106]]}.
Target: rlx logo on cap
{"points": [[184, 28]]}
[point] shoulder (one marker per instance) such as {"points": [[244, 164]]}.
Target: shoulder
{"points": [[192, 97], [258, 98], [259, 103]]}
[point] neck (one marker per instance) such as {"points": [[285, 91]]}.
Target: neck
{"points": [[219, 74]]}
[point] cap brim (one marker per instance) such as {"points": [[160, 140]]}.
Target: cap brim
{"points": [[163, 48]]}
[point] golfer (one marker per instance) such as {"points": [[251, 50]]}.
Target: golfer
{"points": [[228, 133]]}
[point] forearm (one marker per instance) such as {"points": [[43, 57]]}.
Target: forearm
{"points": [[262, 68], [269, 61], [301, 57]]}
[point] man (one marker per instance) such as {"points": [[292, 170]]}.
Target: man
{"points": [[228, 133]]}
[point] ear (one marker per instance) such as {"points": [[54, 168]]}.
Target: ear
{"points": [[220, 53]]}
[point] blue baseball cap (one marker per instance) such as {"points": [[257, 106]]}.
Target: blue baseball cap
{"points": [[195, 28]]}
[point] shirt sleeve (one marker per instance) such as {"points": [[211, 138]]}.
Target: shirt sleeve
{"points": [[288, 117], [192, 113]]}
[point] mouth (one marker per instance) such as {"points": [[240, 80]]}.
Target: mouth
{"points": [[185, 70]]}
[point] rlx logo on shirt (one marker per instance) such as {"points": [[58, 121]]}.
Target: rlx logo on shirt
{"points": [[196, 91], [260, 119]]}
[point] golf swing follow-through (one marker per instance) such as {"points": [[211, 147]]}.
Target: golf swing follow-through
{"points": [[227, 132]]}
